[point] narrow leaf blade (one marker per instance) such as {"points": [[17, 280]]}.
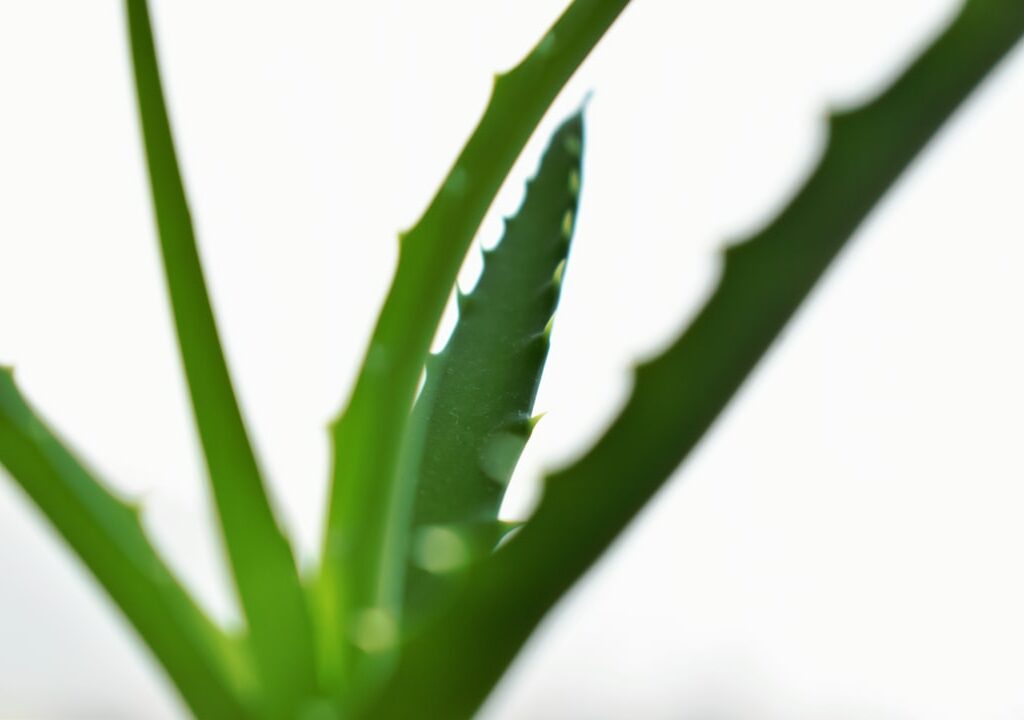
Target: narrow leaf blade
{"points": [[260, 556], [106, 534]]}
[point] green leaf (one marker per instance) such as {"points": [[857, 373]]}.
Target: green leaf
{"points": [[368, 513], [472, 419], [107, 535], [261, 557], [453, 664]]}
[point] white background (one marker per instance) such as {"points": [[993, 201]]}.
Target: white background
{"points": [[847, 542]]}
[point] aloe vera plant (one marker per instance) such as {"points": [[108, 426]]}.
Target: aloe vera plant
{"points": [[423, 596]]}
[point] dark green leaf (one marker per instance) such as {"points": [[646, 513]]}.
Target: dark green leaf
{"points": [[472, 419], [368, 514], [452, 666]]}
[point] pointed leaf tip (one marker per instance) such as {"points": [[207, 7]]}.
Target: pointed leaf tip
{"points": [[682, 391], [472, 420], [548, 327], [559, 273]]}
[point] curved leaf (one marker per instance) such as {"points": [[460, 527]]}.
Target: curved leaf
{"points": [[451, 666], [106, 534]]}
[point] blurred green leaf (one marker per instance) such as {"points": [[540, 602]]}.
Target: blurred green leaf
{"points": [[261, 557], [107, 535], [453, 664]]}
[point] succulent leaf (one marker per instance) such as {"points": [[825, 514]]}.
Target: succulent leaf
{"points": [[107, 535], [453, 664], [369, 508], [472, 418], [261, 557]]}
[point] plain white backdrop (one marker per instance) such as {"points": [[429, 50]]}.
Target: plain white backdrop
{"points": [[846, 543]]}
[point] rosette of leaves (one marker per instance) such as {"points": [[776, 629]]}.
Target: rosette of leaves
{"points": [[423, 597]]}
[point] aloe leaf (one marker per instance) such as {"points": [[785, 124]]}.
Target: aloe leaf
{"points": [[453, 664], [472, 418], [107, 535], [260, 556], [368, 512]]}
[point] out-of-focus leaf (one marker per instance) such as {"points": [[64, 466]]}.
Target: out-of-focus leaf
{"points": [[261, 558], [447, 670], [106, 534]]}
